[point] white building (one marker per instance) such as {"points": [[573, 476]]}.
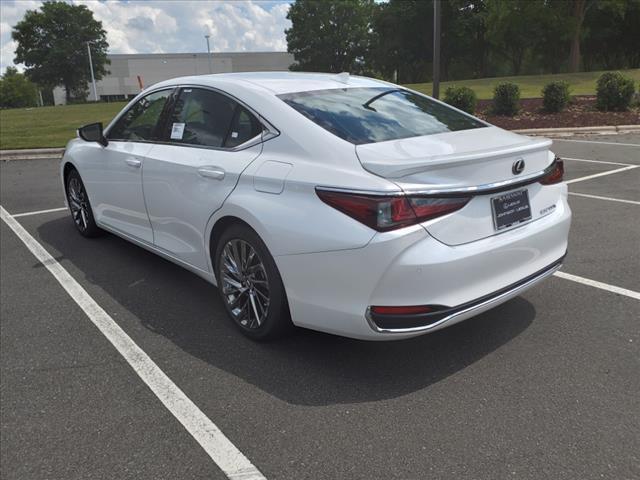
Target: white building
{"points": [[128, 72]]}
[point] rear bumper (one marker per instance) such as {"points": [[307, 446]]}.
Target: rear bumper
{"points": [[422, 323], [332, 291]]}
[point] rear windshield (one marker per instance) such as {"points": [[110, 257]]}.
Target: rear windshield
{"points": [[369, 115]]}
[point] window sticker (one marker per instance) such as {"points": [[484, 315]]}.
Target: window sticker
{"points": [[177, 130], [234, 134]]}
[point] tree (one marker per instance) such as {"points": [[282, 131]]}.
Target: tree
{"points": [[612, 35], [52, 44], [330, 35], [514, 26], [16, 90], [403, 40]]}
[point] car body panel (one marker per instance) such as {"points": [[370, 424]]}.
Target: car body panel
{"points": [[181, 196], [113, 177]]}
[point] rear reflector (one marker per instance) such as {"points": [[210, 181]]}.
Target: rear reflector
{"points": [[389, 212], [556, 173], [406, 310]]}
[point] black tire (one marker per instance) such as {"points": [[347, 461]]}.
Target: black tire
{"points": [[243, 290], [80, 207]]}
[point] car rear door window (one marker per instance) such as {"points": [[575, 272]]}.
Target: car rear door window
{"points": [[141, 120], [244, 127], [201, 117]]}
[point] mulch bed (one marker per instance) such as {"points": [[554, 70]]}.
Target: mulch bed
{"points": [[580, 113]]}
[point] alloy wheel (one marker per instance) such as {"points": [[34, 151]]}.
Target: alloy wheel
{"points": [[245, 285], [78, 203]]}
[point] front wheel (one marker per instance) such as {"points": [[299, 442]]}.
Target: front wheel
{"points": [[79, 205], [250, 284]]}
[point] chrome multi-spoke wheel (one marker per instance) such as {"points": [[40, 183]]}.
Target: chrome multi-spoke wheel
{"points": [[78, 203], [245, 284], [250, 284], [80, 207]]}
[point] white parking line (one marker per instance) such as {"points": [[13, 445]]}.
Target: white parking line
{"points": [[600, 285], [38, 212], [597, 197], [590, 161], [602, 174], [601, 143], [224, 453]]}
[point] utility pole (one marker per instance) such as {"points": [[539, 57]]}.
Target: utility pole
{"points": [[93, 78], [209, 53], [436, 48]]}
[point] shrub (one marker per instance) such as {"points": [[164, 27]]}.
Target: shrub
{"points": [[505, 99], [555, 96], [461, 97], [614, 91]]}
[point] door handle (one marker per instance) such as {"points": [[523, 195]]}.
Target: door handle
{"points": [[216, 173], [133, 162]]}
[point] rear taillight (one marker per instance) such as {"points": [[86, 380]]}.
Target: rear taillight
{"points": [[555, 173], [383, 213]]}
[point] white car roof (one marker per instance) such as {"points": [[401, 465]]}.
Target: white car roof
{"points": [[282, 82]]}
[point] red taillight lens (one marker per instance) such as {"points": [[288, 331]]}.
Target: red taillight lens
{"points": [[385, 213], [405, 310], [555, 175]]}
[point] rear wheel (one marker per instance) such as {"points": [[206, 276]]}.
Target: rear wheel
{"points": [[250, 284], [79, 205]]}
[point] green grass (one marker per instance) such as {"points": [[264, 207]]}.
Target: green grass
{"points": [[54, 126], [583, 83], [50, 126]]}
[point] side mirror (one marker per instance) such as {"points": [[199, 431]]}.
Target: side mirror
{"points": [[93, 133]]}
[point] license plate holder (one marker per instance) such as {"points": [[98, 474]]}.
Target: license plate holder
{"points": [[510, 209]]}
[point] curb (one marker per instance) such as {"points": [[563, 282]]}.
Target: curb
{"points": [[31, 154], [56, 153], [570, 131]]}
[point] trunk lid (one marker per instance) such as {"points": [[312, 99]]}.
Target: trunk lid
{"points": [[458, 160]]}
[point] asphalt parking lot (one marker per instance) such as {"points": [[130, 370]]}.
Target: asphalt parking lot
{"points": [[544, 386]]}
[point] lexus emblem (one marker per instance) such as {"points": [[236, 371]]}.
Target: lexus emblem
{"points": [[518, 166]]}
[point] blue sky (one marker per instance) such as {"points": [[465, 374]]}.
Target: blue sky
{"points": [[161, 26]]}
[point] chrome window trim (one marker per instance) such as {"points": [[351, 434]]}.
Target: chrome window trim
{"points": [[457, 191], [268, 133]]}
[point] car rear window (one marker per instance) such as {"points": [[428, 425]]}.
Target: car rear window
{"points": [[377, 114]]}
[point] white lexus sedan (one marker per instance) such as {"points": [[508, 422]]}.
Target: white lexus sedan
{"points": [[332, 202]]}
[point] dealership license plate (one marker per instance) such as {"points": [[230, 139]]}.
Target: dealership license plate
{"points": [[511, 209]]}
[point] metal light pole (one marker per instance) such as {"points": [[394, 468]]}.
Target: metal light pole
{"points": [[436, 48], [93, 78], [209, 53]]}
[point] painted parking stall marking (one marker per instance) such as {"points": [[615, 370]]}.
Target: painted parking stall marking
{"points": [[602, 174], [600, 285], [595, 161], [38, 212], [598, 197], [225, 454]]}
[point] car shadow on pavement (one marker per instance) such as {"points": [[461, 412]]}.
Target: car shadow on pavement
{"points": [[305, 368]]}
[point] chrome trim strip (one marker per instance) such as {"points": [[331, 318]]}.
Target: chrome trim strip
{"points": [[457, 191], [453, 316]]}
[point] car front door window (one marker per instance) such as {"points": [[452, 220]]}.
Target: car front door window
{"points": [[140, 121]]}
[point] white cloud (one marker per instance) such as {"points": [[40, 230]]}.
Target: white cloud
{"points": [[161, 26]]}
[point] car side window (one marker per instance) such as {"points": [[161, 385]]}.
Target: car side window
{"points": [[244, 127], [201, 117], [139, 122]]}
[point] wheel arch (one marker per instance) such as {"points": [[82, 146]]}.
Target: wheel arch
{"points": [[219, 223], [67, 167]]}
